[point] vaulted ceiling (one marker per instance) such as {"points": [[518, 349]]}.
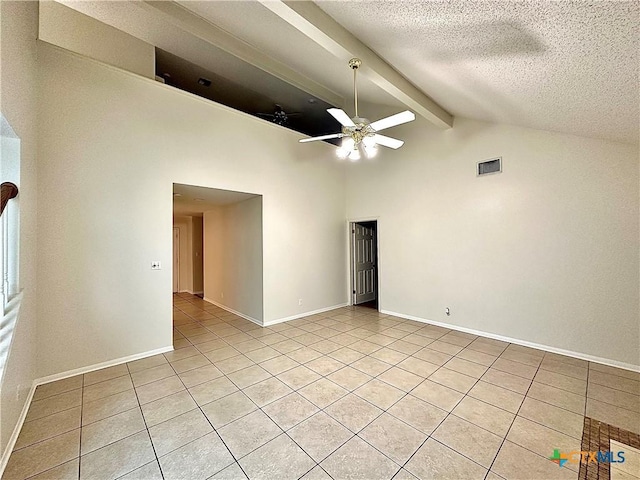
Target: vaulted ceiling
{"points": [[568, 66]]}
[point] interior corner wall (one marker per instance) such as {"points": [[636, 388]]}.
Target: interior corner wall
{"points": [[197, 251], [18, 97], [117, 142], [233, 252], [185, 279], [544, 252]]}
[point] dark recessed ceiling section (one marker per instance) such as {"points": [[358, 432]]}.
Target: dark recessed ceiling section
{"points": [[308, 115]]}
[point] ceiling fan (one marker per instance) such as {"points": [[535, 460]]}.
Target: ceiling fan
{"points": [[358, 131], [279, 116]]}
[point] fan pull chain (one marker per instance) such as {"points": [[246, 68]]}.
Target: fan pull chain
{"points": [[355, 89]]}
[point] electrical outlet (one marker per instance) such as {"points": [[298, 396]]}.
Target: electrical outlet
{"points": [[156, 265], [447, 311], [299, 301]]}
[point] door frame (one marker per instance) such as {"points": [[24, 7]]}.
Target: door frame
{"points": [[175, 274], [350, 279]]}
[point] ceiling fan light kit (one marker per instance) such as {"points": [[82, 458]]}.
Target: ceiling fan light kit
{"points": [[358, 134]]}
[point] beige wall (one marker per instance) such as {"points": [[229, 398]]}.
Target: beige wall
{"points": [[233, 268], [545, 252], [70, 29], [19, 29], [118, 142]]}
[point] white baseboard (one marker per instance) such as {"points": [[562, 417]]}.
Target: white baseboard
{"points": [[524, 343], [305, 314], [16, 431], [98, 366], [235, 312], [60, 376]]}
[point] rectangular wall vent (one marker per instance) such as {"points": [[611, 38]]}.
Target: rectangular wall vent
{"points": [[490, 166]]}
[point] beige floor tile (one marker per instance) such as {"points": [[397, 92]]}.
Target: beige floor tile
{"points": [[353, 412], [444, 347], [267, 391], [223, 353], [418, 367], [559, 398], [497, 396], [67, 471], [433, 356], [436, 461], [153, 391], [179, 431], [54, 404], [618, 474], [386, 338], [107, 406], [212, 390], [200, 375], [55, 388], [111, 429], [387, 355], [167, 407], [484, 415], [211, 346], [556, 366], [298, 377], [326, 346], [349, 378], [379, 393], [371, 366], [323, 392], [181, 343], [516, 463], [515, 368], [105, 374], [232, 472], [346, 355], [235, 435], [419, 414], [228, 409], [466, 438], [477, 357], [542, 440], [452, 379], [234, 364], [324, 365], [287, 346], [521, 354], [181, 353], [304, 355], [614, 397], [403, 347], [106, 388], [419, 340], [507, 380], [317, 473], [618, 372], [455, 339], [394, 438], [152, 374], [401, 379], [365, 347], [358, 460], [203, 338], [613, 381], [613, 415], [281, 458], [553, 417], [201, 458], [249, 376], [43, 456], [118, 459], [290, 410], [47, 427], [263, 354], [573, 385], [319, 435], [278, 365], [186, 364], [466, 367], [486, 348], [438, 395], [631, 464]]}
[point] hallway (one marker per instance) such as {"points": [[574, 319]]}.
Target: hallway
{"points": [[349, 393]]}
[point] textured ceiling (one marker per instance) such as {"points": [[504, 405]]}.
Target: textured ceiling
{"points": [[562, 66]]}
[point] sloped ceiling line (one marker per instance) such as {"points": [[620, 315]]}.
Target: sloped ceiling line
{"points": [[313, 22], [207, 31]]}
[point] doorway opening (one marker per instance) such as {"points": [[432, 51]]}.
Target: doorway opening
{"points": [[364, 263]]}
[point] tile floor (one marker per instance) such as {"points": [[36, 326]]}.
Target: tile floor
{"points": [[348, 394]]}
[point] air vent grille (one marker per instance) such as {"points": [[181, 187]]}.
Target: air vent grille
{"points": [[490, 166]]}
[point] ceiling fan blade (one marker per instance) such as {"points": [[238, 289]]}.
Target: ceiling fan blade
{"points": [[393, 120], [341, 116], [322, 137], [388, 141]]}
